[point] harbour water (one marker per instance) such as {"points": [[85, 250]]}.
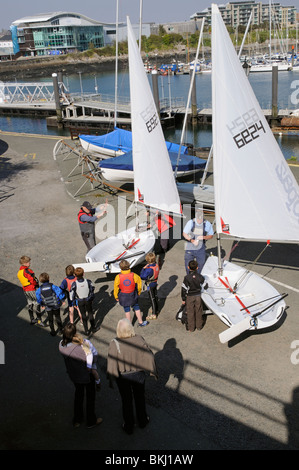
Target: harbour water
{"points": [[172, 87]]}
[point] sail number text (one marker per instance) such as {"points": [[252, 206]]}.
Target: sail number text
{"points": [[152, 123], [150, 118], [246, 128]]}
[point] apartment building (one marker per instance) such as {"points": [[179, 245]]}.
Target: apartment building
{"points": [[238, 13]]}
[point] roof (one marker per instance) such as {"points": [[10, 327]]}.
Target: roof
{"points": [[47, 17]]}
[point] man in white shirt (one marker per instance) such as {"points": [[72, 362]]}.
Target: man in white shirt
{"points": [[196, 232]]}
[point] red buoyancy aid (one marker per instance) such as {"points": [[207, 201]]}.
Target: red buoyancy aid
{"points": [[27, 278], [163, 222], [126, 283], [82, 212], [156, 270], [69, 282]]}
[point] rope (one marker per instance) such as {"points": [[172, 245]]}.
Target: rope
{"points": [[233, 292]]}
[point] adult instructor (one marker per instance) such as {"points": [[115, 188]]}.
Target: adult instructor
{"points": [[196, 232], [87, 217]]}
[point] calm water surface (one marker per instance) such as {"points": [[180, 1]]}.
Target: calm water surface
{"points": [[174, 87]]}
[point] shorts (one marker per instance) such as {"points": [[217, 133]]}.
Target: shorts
{"points": [[135, 307], [71, 303], [127, 300]]}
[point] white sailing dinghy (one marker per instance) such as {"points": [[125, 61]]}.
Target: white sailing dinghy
{"points": [[256, 194], [121, 169], [115, 143], [151, 164]]}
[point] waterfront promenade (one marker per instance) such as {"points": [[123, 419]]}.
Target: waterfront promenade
{"points": [[243, 395]]}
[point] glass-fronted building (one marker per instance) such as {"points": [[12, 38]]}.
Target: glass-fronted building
{"points": [[56, 33]]}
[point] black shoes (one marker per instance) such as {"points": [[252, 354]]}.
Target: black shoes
{"points": [[145, 424], [127, 429]]}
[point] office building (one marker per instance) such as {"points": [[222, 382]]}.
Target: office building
{"points": [[55, 33], [64, 32]]}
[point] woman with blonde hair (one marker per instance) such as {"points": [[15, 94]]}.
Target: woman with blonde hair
{"points": [[129, 360], [125, 329]]}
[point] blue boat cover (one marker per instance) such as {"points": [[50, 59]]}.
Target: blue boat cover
{"points": [[125, 162], [121, 139]]}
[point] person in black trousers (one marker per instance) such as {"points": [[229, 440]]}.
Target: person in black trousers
{"points": [[50, 297], [81, 376], [149, 274], [129, 361], [191, 296], [82, 293], [87, 217]]}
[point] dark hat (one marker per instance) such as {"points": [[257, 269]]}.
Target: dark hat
{"points": [[87, 205]]}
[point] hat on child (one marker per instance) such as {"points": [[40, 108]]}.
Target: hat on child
{"points": [[87, 205]]}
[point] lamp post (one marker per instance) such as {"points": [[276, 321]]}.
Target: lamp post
{"points": [[57, 100], [81, 87]]}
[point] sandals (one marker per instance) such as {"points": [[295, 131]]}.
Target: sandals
{"points": [[151, 317]]}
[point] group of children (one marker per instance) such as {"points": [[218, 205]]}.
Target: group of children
{"points": [[79, 292], [43, 296], [128, 285]]}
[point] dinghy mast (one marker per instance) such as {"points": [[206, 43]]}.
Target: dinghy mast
{"points": [[189, 95]]}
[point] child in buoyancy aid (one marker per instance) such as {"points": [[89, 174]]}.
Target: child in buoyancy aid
{"points": [[50, 297], [82, 294], [30, 284], [150, 274], [65, 286], [127, 287]]}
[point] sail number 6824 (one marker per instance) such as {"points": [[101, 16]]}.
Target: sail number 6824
{"points": [[246, 127], [248, 135]]}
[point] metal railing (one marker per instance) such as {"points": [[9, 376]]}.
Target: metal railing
{"points": [[13, 92], [43, 93]]}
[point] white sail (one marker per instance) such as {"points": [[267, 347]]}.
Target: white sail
{"points": [[154, 183], [256, 194]]}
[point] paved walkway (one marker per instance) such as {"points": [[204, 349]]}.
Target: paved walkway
{"points": [[209, 395]]}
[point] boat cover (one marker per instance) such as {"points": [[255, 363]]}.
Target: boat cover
{"points": [[125, 162], [121, 139]]}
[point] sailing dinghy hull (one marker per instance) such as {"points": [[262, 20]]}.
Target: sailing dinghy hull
{"points": [[129, 244], [116, 143], [121, 168], [253, 295], [113, 144], [269, 67]]}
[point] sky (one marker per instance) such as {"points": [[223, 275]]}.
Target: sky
{"points": [[157, 11]]}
